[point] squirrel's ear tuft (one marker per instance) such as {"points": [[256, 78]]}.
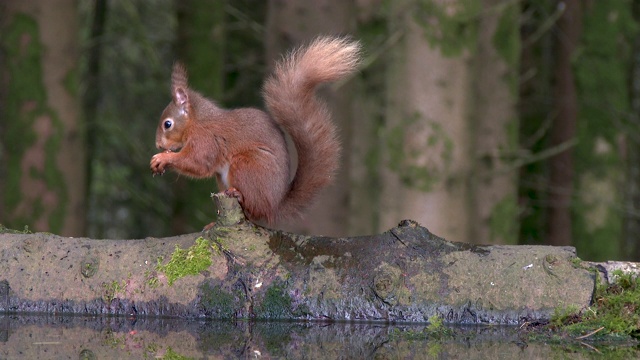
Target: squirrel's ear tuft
{"points": [[179, 84], [179, 75]]}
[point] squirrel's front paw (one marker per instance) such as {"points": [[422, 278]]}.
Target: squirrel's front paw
{"points": [[233, 192], [159, 163]]}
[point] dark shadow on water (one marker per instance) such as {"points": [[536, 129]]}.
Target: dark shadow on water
{"points": [[78, 337]]}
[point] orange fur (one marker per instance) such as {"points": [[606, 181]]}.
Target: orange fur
{"points": [[245, 149]]}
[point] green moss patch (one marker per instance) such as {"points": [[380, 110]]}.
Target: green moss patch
{"points": [[6, 230], [170, 354], [275, 305], [190, 261], [615, 314], [217, 303]]}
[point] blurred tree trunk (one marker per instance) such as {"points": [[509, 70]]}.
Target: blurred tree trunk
{"points": [[564, 126], [367, 122], [289, 24], [631, 240], [200, 44], [451, 123], [536, 114], [494, 120], [43, 139], [602, 74], [93, 94]]}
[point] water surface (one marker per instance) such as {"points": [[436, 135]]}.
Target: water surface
{"points": [[78, 337]]}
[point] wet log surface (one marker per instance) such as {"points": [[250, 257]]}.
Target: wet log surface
{"points": [[406, 274]]}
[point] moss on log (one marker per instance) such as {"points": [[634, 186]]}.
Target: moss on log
{"points": [[240, 270]]}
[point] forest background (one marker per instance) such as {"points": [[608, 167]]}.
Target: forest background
{"points": [[487, 121]]}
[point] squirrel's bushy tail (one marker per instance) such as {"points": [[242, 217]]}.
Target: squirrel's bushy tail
{"points": [[290, 98]]}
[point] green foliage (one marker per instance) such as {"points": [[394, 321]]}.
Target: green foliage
{"points": [[507, 42], [112, 289], [191, 261], [170, 354], [615, 313], [453, 28], [6, 230], [564, 315]]}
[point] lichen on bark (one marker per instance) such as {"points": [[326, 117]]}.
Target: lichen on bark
{"points": [[38, 194]]}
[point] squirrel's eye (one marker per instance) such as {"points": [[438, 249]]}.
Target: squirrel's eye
{"points": [[168, 124]]}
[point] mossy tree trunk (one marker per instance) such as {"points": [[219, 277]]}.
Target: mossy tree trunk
{"points": [[42, 132], [601, 69], [450, 126], [426, 162]]}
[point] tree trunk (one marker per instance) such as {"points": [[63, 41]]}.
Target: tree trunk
{"points": [[602, 70], [92, 95], [406, 274], [494, 123], [630, 242], [367, 122], [44, 137], [427, 159], [563, 129], [536, 112], [291, 23]]}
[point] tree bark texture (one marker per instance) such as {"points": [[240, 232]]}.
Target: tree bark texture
{"points": [[564, 126], [426, 160], [44, 137], [404, 274], [494, 122], [445, 127]]}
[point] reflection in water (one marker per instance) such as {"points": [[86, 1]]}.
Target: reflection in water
{"points": [[73, 337]]}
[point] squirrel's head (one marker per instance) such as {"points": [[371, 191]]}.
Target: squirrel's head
{"points": [[175, 117]]}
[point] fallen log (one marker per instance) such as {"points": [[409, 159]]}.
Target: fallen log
{"points": [[240, 270]]}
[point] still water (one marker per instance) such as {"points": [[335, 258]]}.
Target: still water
{"points": [[77, 337]]}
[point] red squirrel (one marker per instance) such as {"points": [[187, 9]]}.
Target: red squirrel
{"points": [[245, 148]]}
